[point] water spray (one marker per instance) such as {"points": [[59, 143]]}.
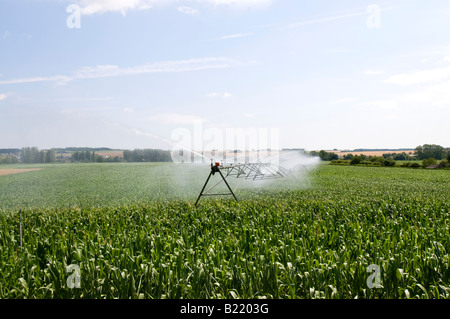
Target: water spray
{"points": [[251, 171]]}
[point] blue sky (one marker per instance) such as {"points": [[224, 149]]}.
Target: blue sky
{"points": [[322, 74]]}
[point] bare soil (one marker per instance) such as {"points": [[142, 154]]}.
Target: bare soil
{"points": [[9, 171]]}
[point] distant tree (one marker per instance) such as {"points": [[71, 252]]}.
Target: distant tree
{"points": [[41, 157], [333, 156], [323, 155], [35, 154], [146, 155], [388, 162], [356, 160], [127, 156], [327, 156], [348, 156], [400, 157], [8, 159], [50, 156], [30, 155], [429, 151]]}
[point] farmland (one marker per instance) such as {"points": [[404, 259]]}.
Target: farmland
{"points": [[133, 231]]}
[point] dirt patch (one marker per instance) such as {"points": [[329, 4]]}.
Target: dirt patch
{"points": [[9, 171]]}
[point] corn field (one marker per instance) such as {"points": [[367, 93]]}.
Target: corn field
{"points": [[131, 232]]}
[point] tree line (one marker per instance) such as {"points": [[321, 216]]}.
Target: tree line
{"points": [[427, 154], [147, 155], [136, 155], [421, 152], [32, 155], [431, 151], [27, 155], [86, 157]]}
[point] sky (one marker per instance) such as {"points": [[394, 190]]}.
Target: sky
{"points": [[310, 74]]}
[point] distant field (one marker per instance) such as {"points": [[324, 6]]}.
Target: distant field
{"points": [[133, 231], [110, 153], [372, 153]]}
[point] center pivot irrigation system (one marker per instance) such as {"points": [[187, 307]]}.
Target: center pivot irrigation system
{"points": [[251, 171]]}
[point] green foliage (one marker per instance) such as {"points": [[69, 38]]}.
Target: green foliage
{"points": [[134, 232], [32, 155], [340, 162], [363, 160], [325, 156], [389, 163], [428, 161], [398, 156], [429, 151], [348, 156], [8, 159], [411, 165], [147, 155], [356, 160]]}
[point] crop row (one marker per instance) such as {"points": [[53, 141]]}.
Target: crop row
{"points": [[277, 242]]}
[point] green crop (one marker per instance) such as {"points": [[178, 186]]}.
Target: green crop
{"points": [[134, 232]]}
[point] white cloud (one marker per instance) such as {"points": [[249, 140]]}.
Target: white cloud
{"points": [[434, 95], [102, 71], [215, 95], [128, 110], [419, 77], [234, 36], [90, 7], [3, 96], [174, 118], [56, 78], [338, 16], [101, 6], [85, 110], [240, 3], [82, 99], [325, 19], [188, 10]]}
